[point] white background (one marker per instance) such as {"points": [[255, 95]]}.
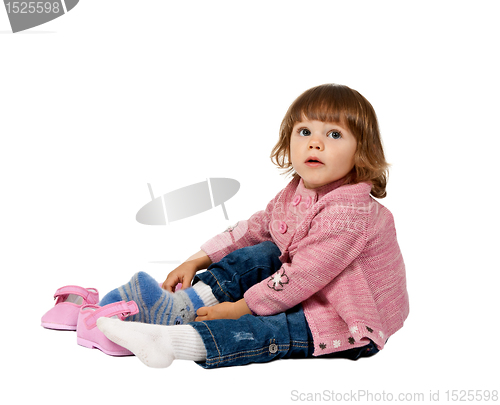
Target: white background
{"points": [[116, 94]]}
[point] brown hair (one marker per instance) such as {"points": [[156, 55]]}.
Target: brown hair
{"points": [[345, 106]]}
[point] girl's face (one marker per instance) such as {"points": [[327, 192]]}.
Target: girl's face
{"points": [[321, 152]]}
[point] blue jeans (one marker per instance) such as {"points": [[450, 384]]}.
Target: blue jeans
{"points": [[255, 339]]}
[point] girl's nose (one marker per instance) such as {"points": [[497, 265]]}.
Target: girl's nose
{"points": [[315, 143]]}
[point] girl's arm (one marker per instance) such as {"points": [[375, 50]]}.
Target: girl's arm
{"points": [[224, 310], [245, 233], [186, 271], [334, 240]]}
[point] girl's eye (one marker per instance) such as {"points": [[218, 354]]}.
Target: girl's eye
{"points": [[304, 132], [335, 135]]}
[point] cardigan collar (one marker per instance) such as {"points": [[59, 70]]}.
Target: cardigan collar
{"points": [[316, 193]]}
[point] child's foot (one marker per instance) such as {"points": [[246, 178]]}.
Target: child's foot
{"points": [[157, 305], [155, 345]]}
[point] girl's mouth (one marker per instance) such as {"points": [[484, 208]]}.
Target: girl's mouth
{"points": [[313, 162]]}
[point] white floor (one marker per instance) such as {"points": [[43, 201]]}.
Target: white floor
{"points": [[43, 363]]}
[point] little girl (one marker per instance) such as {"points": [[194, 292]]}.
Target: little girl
{"points": [[317, 273]]}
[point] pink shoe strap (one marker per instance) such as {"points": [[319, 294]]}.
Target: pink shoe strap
{"points": [[122, 309], [82, 292]]}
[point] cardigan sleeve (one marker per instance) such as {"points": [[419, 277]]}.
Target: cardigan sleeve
{"points": [[336, 237], [245, 233]]}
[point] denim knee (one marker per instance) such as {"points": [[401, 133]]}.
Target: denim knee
{"points": [[231, 277]]}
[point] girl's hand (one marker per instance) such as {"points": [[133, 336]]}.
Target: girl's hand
{"points": [[224, 310], [186, 271], [183, 274]]}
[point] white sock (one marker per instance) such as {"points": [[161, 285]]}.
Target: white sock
{"points": [[155, 345], [205, 293]]}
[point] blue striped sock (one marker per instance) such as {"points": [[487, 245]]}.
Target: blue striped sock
{"points": [[155, 304]]}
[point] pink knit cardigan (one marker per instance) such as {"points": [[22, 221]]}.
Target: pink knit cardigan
{"points": [[341, 260]]}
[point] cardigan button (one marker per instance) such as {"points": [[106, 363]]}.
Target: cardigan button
{"points": [[296, 200], [273, 348], [309, 201], [283, 227]]}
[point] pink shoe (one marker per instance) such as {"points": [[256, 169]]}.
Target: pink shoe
{"points": [[87, 333], [64, 314]]}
